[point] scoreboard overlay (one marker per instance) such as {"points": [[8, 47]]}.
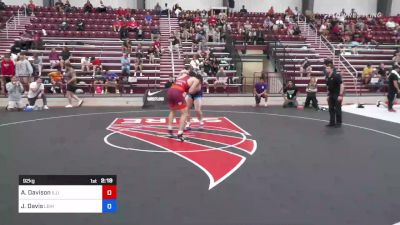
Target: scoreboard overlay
{"points": [[67, 194]]}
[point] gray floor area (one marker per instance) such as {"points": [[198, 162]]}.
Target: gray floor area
{"points": [[301, 174]]}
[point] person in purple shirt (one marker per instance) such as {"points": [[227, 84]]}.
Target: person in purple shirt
{"points": [[260, 91], [148, 18]]}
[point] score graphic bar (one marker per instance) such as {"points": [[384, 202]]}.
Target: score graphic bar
{"points": [[67, 194]]}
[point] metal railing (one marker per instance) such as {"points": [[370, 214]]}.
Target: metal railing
{"points": [[352, 71], [236, 59], [171, 49]]}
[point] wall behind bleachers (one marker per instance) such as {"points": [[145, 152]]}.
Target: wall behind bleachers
{"points": [[79, 3], [331, 6], [186, 4], [395, 7], [264, 5]]}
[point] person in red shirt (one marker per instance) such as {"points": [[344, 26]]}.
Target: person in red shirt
{"points": [[121, 12], [212, 21], [271, 11], [96, 63], [7, 71], [117, 24], [196, 20], [132, 25], [157, 47], [31, 7], [289, 11]]}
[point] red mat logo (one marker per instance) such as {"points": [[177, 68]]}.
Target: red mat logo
{"points": [[217, 149]]}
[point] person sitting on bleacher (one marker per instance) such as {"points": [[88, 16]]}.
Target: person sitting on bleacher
{"points": [[56, 79], [125, 64], [176, 9], [195, 63], [64, 25], [289, 11], [54, 58], [390, 24], [157, 9], [96, 63], [126, 46], [85, 64], [312, 89], [140, 33], [305, 68], [65, 57], [88, 7], [252, 36], [279, 23], [132, 25], [367, 73], [377, 81], [67, 7], [37, 63], [290, 95], [157, 47], [15, 91], [148, 19], [26, 40], [396, 59], [80, 25], [155, 33], [111, 80], [150, 54], [221, 78], [117, 25], [36, 91], [138, 65]]}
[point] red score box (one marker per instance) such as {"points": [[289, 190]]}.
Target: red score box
{"points": [[109, 191]]}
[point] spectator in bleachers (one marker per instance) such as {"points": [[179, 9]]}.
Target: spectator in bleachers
{"points": [[56, 81], [31, 8], [71, 81], [36, 91], [289, 11], [312, 89], [37, 63], [252, 36], [67, 7], [139, 52], [37, 42], [165, 10], [117, 25], [279, 23], [290, 95], [85, 64], [323, 29], [126, 46], [155, 33], [102, 8], [260, 91], [54, 58], [271, 11], [15, 50], [382, 71], [80, 25], [175, 43], [125, 64], [123, 29], [64, 25], [243, 11], [23, 69], [140, 33], [138, 65], [7, 71], [306, 68], [132, 25], [3, 5], [96, 63], [231, 6], [157, 47], [367, 73], [195, 63], [59, 5], [26, 40], [390, 24], [148, 18], [260, 36], [88, 7], [212, 21], [65, 57], [377, 81], [176, 9], [396, 59], [157, 8], [15, 91], [111, 80], [221, 78], [150, 54], [121, 13]]}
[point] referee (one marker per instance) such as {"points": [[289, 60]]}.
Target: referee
{"points": [[335, 96], [393, 87]]}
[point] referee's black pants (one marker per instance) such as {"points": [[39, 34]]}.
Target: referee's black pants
{"points": [[391, 96], [335, 110]]}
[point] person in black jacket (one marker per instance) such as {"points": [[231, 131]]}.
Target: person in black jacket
{"points": [[335, 96], [290, 95]]}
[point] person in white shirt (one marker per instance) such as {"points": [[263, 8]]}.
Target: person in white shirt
{"points": [[390, 24], [36, 91], [195, 63], [85, 63]]}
